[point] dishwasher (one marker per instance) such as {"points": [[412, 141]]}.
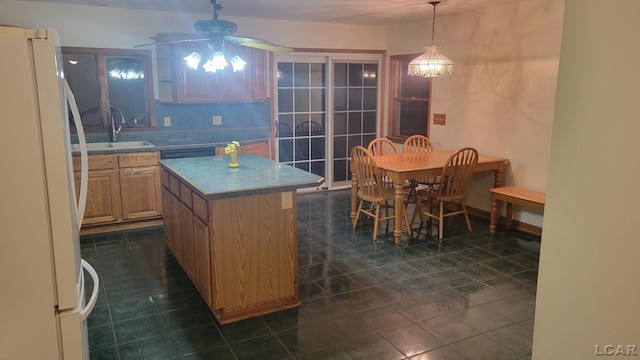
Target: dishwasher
{"points": [[185, 153]]}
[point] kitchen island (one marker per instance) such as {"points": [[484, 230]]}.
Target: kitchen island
{"points": [[234, 231]]}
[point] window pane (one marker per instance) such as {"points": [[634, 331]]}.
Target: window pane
{"points": [[340, 99], [355, 123], [355, 75], [83, 79], [285, 74], [340, 147], [317, 99], [355, 98], [285, 152], [285, 100], [340, 123], [317, 148], [302, 149], [318, 75], [369, 122], [300, 75], [412, 118], [340, 74], [285, 125], [317, 124], [126, 85], [301, 100], [369, 75], [369, 99]]}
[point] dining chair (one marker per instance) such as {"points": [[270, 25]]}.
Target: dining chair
{"points": [[418, 144], [372, 189], [382, 146], [451, 190]]}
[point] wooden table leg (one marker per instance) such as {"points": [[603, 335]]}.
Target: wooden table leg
{"points": [[398, 207], [354, 196], [509, 214], [494, 214]]}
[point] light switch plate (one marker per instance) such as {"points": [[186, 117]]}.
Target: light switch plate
{"points": [[287, 200], [440, 119], [217, 119]]}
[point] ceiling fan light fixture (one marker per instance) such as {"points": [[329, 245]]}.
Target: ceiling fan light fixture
{"points": [[215, 63], [193, 60], [237, 63], [432, 63]]}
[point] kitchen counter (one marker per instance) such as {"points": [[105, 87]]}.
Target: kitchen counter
{"points": [[234, 231], [213, 178]]}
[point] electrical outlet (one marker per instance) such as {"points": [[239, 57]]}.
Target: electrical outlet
{"points": [[217, 119], [287, 200], [440, 119], [167, 121]]}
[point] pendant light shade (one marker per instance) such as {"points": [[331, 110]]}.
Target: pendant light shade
{"points": [[432, 63]]}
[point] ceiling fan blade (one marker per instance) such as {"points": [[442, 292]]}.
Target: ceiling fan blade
{"points": [[258, 44], [171, 42]]}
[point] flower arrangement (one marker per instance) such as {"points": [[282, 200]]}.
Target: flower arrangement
{"points": [[231, 147]]}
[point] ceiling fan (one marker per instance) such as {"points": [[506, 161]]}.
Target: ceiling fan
{"points": [[217, 31]]}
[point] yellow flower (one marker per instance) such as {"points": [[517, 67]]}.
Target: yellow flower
{"points": [[231, 147]]}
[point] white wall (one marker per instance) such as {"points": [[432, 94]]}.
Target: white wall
{"points": [[588, 291], [94, 26], [501, 97]]}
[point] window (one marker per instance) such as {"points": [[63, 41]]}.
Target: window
{"points": [[409, 103], [103, 80]]}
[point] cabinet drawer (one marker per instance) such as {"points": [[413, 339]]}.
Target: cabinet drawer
{"points": [[164, 178], [185, 195], [139, 159], [200, 208], [174, 185], [97, 162]]}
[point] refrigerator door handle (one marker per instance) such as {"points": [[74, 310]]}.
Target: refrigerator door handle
{"points": [[84, 313], [84, 175]]}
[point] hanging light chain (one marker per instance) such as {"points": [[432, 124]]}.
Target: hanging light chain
{"points": [[433, 23]]}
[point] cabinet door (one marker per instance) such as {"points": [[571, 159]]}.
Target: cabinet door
{"points": [[167, 216], [203, 259], [140, 192], [176, 229], [188, 244], [224, 85], [103, 197]]}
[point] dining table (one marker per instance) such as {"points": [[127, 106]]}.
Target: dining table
{"points": [[403, 167]]}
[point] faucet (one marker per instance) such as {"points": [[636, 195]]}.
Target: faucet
{"points": [[115, 112]]}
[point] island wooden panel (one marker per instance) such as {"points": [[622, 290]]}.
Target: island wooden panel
{"points": [[245, 248], [254, 255]]}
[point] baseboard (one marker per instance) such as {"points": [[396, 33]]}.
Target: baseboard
{"points": [[515, 224], [99, 229]]}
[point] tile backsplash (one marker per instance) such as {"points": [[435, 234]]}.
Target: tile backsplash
{"points": [[193, 123]]}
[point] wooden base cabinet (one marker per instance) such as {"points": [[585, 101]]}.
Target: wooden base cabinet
{"points": [[103, 190], [121, 187], [244, 249]]}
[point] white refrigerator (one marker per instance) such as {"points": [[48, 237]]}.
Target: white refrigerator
{"points": [[43, 307]]}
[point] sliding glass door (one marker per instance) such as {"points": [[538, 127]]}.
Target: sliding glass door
{"points": [[326, 105]]}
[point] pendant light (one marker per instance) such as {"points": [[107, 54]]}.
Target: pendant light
{"points": [[432, 63]]}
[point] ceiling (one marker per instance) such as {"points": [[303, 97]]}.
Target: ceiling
{"points": [[360, 12]]}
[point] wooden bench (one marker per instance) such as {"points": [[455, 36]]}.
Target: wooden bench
{"points": [[513, 195]]}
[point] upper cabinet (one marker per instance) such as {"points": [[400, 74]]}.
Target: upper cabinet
{"points": [[178, 83], [108, 82]]}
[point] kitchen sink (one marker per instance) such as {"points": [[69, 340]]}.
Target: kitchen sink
{"points": [[114, 145]]}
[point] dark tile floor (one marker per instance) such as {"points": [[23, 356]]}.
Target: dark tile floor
{"points": [[471, 297]]}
